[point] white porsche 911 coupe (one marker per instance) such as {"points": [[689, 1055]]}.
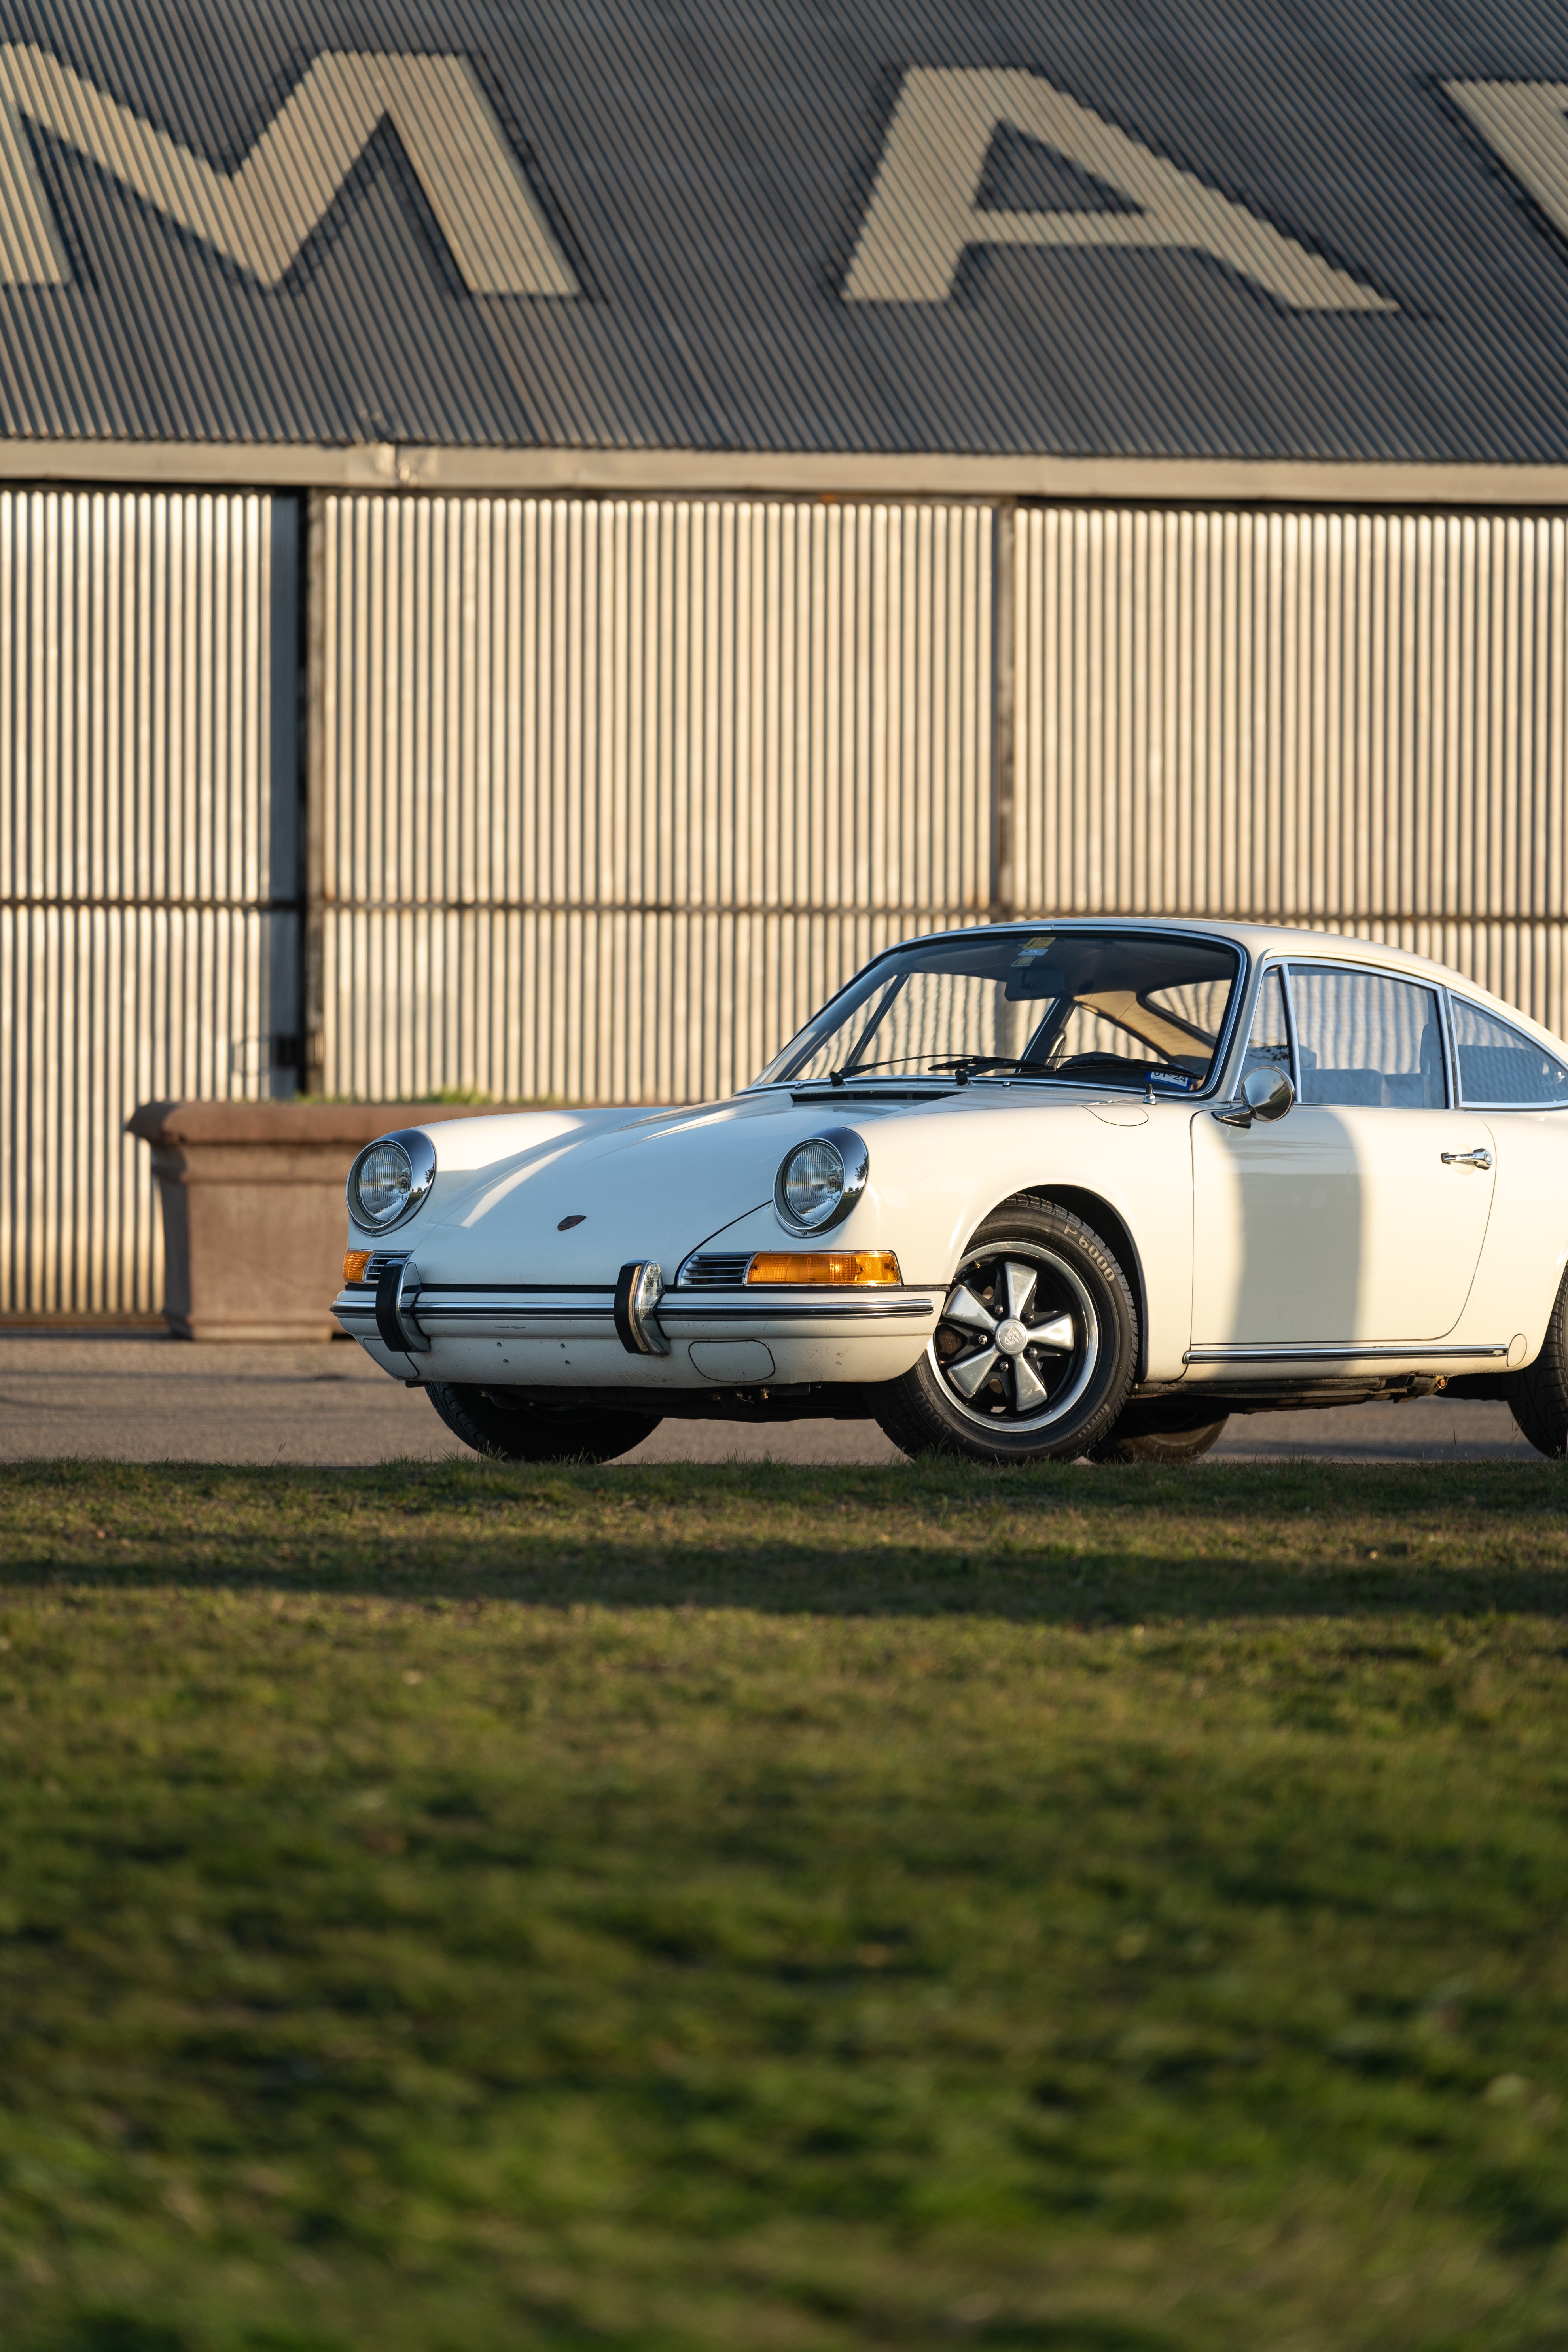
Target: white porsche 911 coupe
{"points": [[1019, 1192]]}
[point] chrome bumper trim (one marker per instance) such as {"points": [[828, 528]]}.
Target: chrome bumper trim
{"points": [[639, 1292], [501, 1311], [434, 1310], [396, 1289], [1352, 1352], [757, 1309]]}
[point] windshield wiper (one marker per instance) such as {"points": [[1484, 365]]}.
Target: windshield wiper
{"points": [[847, 1070], [962, 1064]]}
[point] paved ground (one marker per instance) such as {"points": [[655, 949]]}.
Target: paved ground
{"points": [[150, 1399]]}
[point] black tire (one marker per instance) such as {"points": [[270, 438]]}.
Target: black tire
{"points": [[1540, 1398], [493, 1424], [1072, 1385], [1164, 1430]]}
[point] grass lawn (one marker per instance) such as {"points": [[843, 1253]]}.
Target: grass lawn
{"points": [[450, 1907]]}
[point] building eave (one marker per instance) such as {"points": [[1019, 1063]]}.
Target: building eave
{"points": [[631, 473]]}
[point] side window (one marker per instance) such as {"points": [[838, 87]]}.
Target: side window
{"points": [[1501, 1066], [1363, 1039], [1269, 1044]]}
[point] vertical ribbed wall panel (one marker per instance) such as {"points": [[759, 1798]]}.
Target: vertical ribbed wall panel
{"points": [[1351, 720], [148, 945], [617, 791], [596, 1004]]}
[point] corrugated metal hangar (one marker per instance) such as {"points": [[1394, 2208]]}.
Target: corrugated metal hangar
{"points": [[535, 535]]}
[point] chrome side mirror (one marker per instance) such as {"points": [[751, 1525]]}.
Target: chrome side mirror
{"points": [[1266, 1093]]}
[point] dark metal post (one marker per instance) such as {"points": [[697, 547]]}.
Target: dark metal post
{"points": [[1004, 593], [313, 1076]]}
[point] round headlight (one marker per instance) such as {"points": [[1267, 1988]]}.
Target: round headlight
{"points": [[812, 1182], [383, 1182], [390, 1178], [820, 1180]]}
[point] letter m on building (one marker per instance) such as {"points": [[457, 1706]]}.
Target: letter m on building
{"points": [[261, 214]]}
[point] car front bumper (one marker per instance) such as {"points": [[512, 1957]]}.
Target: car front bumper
{"points": [[515, 1337]]}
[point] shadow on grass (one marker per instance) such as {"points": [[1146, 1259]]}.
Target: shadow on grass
{"points": [[1063, 1544]]}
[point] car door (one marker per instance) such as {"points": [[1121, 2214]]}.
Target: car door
{"points": [[1358, 1218]]}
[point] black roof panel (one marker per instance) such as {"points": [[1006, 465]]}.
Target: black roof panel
{"points": [[704, 168]]}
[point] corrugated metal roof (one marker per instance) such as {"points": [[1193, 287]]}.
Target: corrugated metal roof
{"points": [[1237, 229]]}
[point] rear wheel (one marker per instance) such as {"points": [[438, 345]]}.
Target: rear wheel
{"points": [[1164, 1430], [1034, 1350], [522, 1431], [1539, 1399]]}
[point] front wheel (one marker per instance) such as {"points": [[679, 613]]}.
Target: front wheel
{"points": [[1034, 1350], [521, 1431]]}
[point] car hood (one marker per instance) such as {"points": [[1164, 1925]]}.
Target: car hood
{"points": [[653, 1185]]}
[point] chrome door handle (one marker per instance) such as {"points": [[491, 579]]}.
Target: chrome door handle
{"points": [[1478, 1158]]}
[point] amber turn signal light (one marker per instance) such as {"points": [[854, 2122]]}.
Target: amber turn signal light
{"points": [[844, 1268], [354, 1264]]}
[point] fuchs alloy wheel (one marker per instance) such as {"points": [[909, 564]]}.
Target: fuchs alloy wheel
{"points": [[1035, 1350], [488, 1421]]}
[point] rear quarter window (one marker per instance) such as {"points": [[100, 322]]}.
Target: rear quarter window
{"points": [[1501, 1068]]}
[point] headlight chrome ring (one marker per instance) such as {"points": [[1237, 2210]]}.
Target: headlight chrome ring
{"points": [[820, 1180], [391, 1178]]}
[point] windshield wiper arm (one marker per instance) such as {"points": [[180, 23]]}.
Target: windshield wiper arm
{"points": [[967, 1062], [852, 1070]]}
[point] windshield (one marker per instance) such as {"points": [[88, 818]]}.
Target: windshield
{"points": [[1100, 1008]]}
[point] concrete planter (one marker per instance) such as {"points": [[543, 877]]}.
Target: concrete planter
{"points": [[253, 1208]]}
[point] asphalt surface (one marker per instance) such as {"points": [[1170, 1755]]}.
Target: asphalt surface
{"points": [[148, 1398]]}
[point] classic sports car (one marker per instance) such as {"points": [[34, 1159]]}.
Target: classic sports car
{"points": [[1021, 1192]]}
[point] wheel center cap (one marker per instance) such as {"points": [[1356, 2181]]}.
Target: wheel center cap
{"points": [[1011, 1336]]}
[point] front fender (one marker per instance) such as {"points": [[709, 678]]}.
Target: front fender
{"points": [[937, 1173]]}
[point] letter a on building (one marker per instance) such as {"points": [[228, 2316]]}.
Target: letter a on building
{"points": [[923, 215]]}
